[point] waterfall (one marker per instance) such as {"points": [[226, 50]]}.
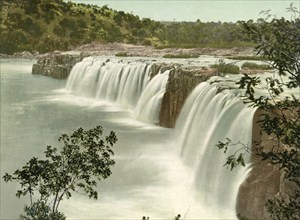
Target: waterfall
{"points": [[206, 118], [127, 84], [151, 98]]}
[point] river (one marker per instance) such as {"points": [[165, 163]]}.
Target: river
{"points": [[149, 178]]}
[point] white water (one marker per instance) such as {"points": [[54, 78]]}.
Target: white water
{"points": [[159, 172], [127, 84], [149, 104], [205, 119]]}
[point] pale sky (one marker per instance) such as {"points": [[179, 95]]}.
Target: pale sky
{"points": [[191, 10]]}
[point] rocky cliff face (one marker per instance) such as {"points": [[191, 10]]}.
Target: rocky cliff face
{"points": [[57, 65], [181, 83], [264, 181]]}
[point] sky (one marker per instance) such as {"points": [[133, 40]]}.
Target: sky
{"points": [[204, 10]]}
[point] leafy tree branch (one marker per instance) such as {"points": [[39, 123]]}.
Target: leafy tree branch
{"points": [[278, 41], [84, 159]]}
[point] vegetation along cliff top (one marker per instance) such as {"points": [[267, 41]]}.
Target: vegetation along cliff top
{"points": [[49, 25]]}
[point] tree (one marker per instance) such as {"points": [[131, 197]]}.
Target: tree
{"points": [[118, 18], [76, 167], [278, 41], [32, 27]]}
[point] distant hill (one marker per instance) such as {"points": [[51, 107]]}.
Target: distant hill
{"points": [[47, 25]]}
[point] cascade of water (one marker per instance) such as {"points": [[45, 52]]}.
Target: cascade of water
{"points": [[206, 118], [150, 101], [77, 73], [128, 84]]}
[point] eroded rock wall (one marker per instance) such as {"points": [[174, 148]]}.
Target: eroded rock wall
{"points": [[181, 83]]}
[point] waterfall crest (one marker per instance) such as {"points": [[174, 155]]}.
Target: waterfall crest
{"points": [[126, 84], [206, 118]]}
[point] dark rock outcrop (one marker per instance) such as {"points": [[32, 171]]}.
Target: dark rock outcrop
{"points": [[265, 180], [181, 83], [57, 65]]}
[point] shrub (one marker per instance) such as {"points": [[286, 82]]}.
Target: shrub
{"points": [[226, 68], [246, 58], [40, 210], [182, 55], [121, 54], [256, 66]]}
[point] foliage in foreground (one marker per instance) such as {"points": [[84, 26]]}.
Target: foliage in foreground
{"points": [[41, 211], [279, 42], [84, 159]]}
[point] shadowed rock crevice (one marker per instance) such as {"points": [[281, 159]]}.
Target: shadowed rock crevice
{"points": [[181, 83]]}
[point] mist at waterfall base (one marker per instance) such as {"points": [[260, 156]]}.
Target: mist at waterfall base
{"points": [[159, 172]]}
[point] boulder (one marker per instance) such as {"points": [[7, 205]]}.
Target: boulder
{"points": [[56, 64]]}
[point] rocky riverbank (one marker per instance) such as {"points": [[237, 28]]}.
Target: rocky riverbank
{"points": [[111, 49], [58, 64], [21, 55], [148, 51]]}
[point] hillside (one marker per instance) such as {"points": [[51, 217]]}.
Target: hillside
{"points": [[48, 25]]}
